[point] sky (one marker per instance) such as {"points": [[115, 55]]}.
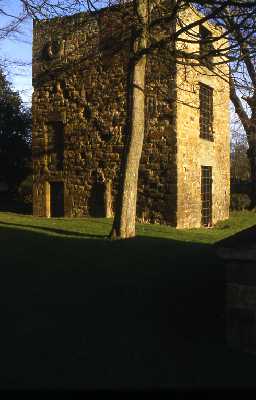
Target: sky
{"points": [[19, 76], [18, 49]]}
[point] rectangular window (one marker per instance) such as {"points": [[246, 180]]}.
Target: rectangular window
{"points": [[206, 112], [56, 142], [206, 47], [206, 196]]}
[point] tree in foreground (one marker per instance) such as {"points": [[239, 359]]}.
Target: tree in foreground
{"points": [[148, 15]]}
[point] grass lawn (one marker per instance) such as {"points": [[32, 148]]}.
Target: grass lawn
{"points": [[100, 227], [82, 312]]}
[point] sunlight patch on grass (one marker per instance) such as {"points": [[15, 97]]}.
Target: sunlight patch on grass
{"points": [[100, 227]]}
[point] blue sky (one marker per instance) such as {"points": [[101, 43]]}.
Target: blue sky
{"points": [[18, 48]]}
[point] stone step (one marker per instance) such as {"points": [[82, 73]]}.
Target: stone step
{"points": [[241, 272], [239, 254]]}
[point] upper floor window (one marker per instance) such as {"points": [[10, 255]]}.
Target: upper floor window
{"points": [[206, 47], [206, 112], [56, 143]]}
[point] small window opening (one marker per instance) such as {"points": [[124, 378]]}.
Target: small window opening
{"points": [[56, 142], [206, 47], [206, 112]]}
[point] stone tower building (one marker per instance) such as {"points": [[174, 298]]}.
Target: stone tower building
{"points": [[80, 79]]}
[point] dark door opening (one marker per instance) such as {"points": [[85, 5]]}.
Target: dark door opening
{"points": [[96, 201], [206, 195], [57, 199]]}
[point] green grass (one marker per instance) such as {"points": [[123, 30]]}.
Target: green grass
{"points": [[81, 311], [100, 227], [238, 221]]}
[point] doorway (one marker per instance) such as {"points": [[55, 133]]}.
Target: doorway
{"points": [[57, 199], [96, 201]]}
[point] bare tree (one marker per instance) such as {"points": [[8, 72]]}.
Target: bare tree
{"points": [[242, 36], [240, 169], [13, 19], [239, 162], [124, 222], [169, 14], [218, 47]]}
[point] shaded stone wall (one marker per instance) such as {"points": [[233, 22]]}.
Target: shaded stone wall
{"points": [[158, 172], [80, 79], [239, 255]]}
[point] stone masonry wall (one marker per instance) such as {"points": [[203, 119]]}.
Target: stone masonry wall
{"points": [[239, 259], [80, 78], [193, 151]]}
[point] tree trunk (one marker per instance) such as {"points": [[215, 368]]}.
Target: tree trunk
{"points": [[125, 216], [249, 125]]}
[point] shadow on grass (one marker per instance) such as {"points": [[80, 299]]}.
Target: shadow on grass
{"points": [[52, 230], [86, 314], [245, 238]]}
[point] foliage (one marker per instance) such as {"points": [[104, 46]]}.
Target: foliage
{"points": [[240, 201], [240, 165], [15, 136], [25, 190]]}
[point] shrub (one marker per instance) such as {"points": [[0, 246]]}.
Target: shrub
{"points": [[240, 201], [25, 190]]}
